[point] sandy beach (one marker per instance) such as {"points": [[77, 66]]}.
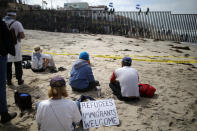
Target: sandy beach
{"points": [[174, 106]]}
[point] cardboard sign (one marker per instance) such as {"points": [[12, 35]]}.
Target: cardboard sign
{"points": [[97, 113]]}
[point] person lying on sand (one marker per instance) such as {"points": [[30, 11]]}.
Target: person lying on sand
{"points": [[81, 75], [57, 113], [124, 81], [40, 61]]}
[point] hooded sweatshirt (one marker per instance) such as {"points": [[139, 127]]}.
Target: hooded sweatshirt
{"points": [[81, 75]]}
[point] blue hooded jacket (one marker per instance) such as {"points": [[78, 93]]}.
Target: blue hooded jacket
{"points": [[81, 75]]}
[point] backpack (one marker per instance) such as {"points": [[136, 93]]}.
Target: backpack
{"points": [[82, 99], [12, 34], [146, 90], [26, 64], [26, 61], [6, 46], [23, 100]]}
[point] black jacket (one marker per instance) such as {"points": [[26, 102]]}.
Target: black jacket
{"points": [[5, 45]]}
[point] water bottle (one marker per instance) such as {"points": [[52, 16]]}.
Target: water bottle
{"points": [[99, 91]]}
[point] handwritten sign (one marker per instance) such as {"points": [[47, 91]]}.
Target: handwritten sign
{"points": [[100, 112]]}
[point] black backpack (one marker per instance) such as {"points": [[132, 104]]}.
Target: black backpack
{"points": [[26, 61], [23, 100], [6, 45], [13, 37]]}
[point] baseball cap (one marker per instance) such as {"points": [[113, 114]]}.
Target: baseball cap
{"points": [[57, 81], [127, 60]]}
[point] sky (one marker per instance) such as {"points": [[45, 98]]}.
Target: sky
{"points": [[176, 6]]}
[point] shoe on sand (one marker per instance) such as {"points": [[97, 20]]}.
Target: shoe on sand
{"points": [[20, 82], [5, 117], [9, 82]]}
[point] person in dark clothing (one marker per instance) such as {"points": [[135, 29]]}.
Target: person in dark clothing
{"points": [[5, 48]]}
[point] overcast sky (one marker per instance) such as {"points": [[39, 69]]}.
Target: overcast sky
{"points": [[176, 6]]}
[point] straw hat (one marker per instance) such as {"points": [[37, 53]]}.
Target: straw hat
{"points": [[37, 48]]}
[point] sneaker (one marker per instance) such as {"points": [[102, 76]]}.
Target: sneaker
{"points": [[61, 69], [20, 82], [9, 82], [53, 71], [5, 117]]}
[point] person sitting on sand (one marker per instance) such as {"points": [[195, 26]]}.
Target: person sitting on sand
{"points": [[124, 81], [81, 76], [57, 113], [41, 61]]}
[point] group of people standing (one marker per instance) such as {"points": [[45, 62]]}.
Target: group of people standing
{"points": [[123, 82]]}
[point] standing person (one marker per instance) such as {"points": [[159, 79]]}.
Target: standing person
{"points": [[5, 48], [81, 75], [124, 81], [57, 113], [11, 22]]}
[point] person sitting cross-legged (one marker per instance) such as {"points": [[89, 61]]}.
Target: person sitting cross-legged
{"points": [[81, 75], [40, 61], [124, 81], [57, 113]]}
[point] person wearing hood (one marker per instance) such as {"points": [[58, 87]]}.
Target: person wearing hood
{"points": [[11, 22], [81, 75]]}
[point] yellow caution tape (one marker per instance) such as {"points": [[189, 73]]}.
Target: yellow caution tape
{"points": [[150, 60], [169, 61], [150, 56], [133, 57]]}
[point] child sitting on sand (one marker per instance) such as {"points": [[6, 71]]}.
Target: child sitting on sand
{"points": [[41, 61]]}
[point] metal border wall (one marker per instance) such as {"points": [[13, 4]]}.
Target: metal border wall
{"points": [[155, 25]]}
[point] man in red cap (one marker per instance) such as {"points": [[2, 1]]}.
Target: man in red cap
{"points": [[124, 81]]}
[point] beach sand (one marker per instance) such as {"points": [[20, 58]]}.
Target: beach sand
{"points": [[174, 106]]}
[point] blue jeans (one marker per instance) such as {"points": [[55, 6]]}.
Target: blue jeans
{"points": [[3, 68]]}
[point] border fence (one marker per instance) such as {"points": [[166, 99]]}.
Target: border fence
{"points": [[155, 25]]}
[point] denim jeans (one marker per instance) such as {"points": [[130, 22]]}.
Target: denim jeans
{"points": [[92, 85], [3, 67]]}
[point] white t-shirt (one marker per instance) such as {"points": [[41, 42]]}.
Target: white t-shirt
{"points": [[66, 111], [128, 78], [18, 28], [37, 63]]}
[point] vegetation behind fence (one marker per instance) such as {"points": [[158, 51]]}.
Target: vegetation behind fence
{"points": [[155, 25]]}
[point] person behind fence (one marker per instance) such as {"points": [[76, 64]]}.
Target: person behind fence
{"points": [[124, 81], [57, 113], [81, 75], [40, 61], [11, 22], [5, 47]]}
